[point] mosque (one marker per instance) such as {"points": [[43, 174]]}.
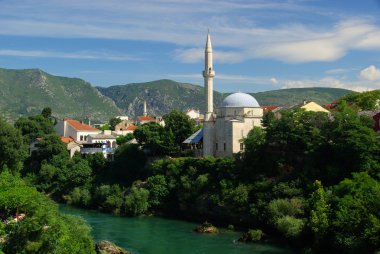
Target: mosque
{"points": [[225, 128]]}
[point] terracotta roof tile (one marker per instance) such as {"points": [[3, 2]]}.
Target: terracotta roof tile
{"points": [[79, 126], [131, 128], [269, 108], [146, 118], [66, 140]]}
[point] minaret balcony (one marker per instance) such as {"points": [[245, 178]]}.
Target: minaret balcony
{"points": [[209, 74]]}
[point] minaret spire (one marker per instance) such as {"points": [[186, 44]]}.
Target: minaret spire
{"points": [[208, 75], [145, 113]]}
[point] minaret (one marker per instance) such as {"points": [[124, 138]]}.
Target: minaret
{"points": [[209, 145], [145, 113], [208, 75]]}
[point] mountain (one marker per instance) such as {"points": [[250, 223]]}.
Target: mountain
{"points": [[164, 95], [27, 92], [161, 96], [291, 96]]}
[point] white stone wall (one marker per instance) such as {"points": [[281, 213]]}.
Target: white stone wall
{"points": [[232, 126], [208, 138]]}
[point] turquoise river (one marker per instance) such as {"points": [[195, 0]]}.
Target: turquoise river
{"points": [[154, 235]]}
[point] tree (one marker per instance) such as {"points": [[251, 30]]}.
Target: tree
{"points": [[356, 219], [34, 127], [180, 124], [128, 165], [113, 122], [46, 112], [136, 202], [13, 150], [158, 189], [50, 145], [124, 139], [320, 210], [154, 138]]}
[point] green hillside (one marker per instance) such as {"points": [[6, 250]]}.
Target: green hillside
{"points": [[165, 95], [162, 96], [287, 97], [27, 92]]}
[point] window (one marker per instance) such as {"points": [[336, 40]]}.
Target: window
{"points": [[224, 146], [216, 146], [81, 137], [241, 146]]}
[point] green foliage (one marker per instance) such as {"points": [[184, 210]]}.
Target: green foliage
{"points": [[49, 146], [181, 125], [105, 127], [151, 135], [365, 101], [279, 208], [109, 197], [129, 164], [13, 150], [320, 210], [158, 189], [356, 219], [46, 112], [42, 230], [113, 122], [290, 226], [34, 127], [120, 140], [136, 202]]}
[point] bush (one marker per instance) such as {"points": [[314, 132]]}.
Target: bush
{"points": [[289, 226], [136, 202]]}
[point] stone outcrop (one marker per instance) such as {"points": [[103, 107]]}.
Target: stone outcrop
{"points": [[106, 247], [206, 228]]}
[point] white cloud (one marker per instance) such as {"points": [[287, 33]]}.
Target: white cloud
{"points": [[356, 85], [370, 73], [183, 22], [75, 55], [274, 81]]}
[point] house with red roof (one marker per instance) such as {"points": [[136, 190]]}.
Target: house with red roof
{"points": [[145, 119], [75, 129], [268, 108]]}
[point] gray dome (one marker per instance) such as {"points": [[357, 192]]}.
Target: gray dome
{"points": [[240, 100]]}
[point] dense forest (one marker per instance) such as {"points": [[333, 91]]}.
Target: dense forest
{"points": [[309, 179]]}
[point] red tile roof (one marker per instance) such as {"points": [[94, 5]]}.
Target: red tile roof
{"points": [[66, 139], [79, 126], [146, 118], [131, 128], [269, 108]]}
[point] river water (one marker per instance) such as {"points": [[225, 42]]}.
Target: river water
{"points": [[154, 235]]}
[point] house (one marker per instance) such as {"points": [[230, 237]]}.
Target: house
{"points": [[75, 129], [71, 145], [122, 118], [145, 119], [306, 105], [125, 127], [268, 108], [196, 115], [104, 143], [375, 115]]}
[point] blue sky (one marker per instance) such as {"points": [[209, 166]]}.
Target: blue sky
{"points": [[258, 45]]}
